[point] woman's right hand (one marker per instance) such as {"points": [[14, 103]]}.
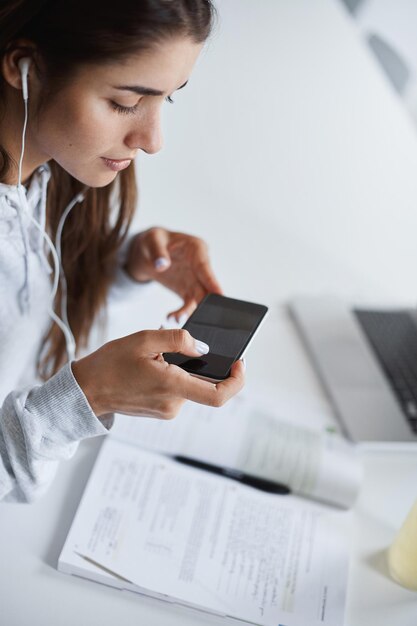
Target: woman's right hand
{"points": [[129, 375]]}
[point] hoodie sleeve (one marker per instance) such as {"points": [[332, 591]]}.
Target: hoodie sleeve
{"points": [[40, 426]]}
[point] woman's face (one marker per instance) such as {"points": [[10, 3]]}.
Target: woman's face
{"points": [[95, 125]]}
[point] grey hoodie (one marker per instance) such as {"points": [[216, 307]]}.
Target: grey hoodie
{"points": [[39, 423]]}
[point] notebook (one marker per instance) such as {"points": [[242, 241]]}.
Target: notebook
{"points": [[151, 525]]}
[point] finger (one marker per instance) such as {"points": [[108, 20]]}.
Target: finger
{"points": [[207, 278], [200, 262], [173, 321], [172, 340], [214, 394], [184, 312], [158, 249]]}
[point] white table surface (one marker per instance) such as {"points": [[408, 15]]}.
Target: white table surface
{"points": [[289, 153]]}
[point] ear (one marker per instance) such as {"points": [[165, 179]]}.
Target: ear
{"points": [[10, 62]]}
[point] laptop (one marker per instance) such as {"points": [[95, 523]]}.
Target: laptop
{"points": [[367, 362]]}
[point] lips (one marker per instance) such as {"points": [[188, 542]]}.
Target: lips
{"points": [[116, 164]]}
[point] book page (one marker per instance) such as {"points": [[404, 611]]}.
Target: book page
{"points": [[211, 542], [242, 435]]}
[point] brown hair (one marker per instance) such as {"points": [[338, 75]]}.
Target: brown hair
{"points": [[68, 33]]}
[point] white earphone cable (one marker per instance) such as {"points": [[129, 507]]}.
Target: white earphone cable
{"points": [[23, 143], [55, 252], [69, 338], [74, 201]]}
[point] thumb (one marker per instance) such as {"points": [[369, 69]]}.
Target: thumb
{"points": [[174, 340], [158, 250]]}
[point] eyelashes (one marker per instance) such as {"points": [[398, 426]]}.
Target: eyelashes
{"points": [[123, 110], [132, 110]]}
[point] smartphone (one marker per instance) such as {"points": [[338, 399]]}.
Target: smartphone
{"points": [[227, 326]]}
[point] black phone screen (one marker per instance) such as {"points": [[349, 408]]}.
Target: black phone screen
{"points": [[227, 326]]}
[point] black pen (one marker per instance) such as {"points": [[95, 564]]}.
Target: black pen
{"points": [[253, 481]]}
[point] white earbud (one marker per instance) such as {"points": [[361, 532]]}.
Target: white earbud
{"points": [[24, 65]]}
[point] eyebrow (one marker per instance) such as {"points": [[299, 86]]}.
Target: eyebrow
{"points": [[144, 91]]}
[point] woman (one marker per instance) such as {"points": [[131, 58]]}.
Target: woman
{"points": [[81, 88]]}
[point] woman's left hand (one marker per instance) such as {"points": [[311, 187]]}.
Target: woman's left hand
{"points": [[178, 261]]}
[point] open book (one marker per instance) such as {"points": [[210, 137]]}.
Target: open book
{"points": [[155, 526]]}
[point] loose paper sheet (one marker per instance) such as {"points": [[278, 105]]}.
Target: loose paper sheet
{"points": [[212, 542], [245, 436]]}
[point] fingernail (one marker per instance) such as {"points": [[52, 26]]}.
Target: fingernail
{"points": [[201, 347], [170, 324], [244, 363], [183, 318], [172, 320], [161, 262]]}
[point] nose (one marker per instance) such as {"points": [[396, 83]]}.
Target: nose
{"points": [[145, 133]]}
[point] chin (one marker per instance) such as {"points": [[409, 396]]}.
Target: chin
{"points": [[95, 180], [101, 181]]}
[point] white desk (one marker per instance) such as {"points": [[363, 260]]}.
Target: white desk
{"points": [[290, 154]]}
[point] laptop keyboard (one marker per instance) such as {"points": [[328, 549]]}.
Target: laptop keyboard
{"points": [[393, 337]]}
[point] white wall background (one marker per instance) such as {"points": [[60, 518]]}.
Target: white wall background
{"points": [[296, 138]]}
